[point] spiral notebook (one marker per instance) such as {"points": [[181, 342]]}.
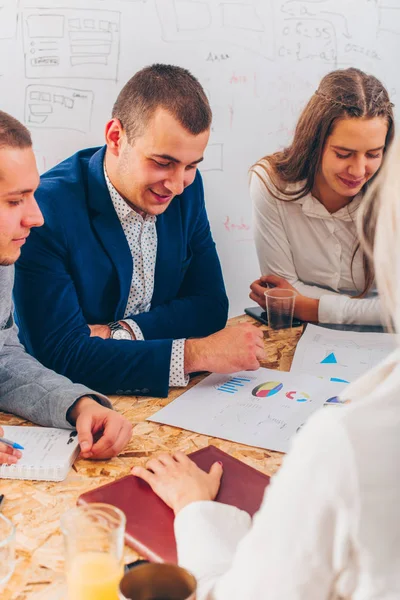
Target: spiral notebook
{"points": [[47, 456]]}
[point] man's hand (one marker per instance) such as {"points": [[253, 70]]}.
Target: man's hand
{"points": [[8, 455], [102, 432], [235, 348], [179, 481]]}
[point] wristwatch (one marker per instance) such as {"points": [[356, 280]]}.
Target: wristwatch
{"points": [[118, 332]]}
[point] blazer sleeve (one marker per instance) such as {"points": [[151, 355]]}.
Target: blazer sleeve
{"points": [[55, 330], [201, 306], [31, 391], [275, 257]]}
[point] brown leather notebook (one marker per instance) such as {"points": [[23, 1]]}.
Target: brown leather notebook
{"points": [[150, 522]]}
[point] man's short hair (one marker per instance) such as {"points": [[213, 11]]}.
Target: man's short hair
{"points": [[162, 86], [13, 133]]}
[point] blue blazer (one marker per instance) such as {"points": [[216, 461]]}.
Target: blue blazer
{"points": [[77, 270]]}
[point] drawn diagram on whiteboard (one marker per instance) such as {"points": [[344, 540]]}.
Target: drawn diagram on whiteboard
{"points": [[389, 18], [308, 39], [246, 24], [8, 19], [64, 42], [58, 107]]}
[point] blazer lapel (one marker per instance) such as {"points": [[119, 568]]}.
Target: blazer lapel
{"points": [[169, 252], [105, 222]]}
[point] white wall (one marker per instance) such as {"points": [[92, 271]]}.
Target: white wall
{"points": [[63, 63]]}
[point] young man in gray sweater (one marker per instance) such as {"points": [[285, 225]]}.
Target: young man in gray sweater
{"points": [[27, 388]]}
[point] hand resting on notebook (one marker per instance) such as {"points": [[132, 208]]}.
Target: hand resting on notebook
{"points": [[179, 481]]}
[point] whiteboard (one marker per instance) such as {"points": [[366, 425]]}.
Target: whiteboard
{"points": [[62, 64]]}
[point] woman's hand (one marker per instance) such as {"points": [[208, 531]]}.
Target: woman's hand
{"points": [[305, 309], [259, 286], [179, 481]]}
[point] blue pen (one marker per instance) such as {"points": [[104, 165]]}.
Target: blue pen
{"points": [[12, 444]]}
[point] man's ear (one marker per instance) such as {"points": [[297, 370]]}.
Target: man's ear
{"points": [[113, 135]]}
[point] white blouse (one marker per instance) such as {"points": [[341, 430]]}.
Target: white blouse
{"points": [[329, 525], [313, 249]]}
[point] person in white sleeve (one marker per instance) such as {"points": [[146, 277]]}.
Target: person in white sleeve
{"points": [[329, 525], [306, 198]]}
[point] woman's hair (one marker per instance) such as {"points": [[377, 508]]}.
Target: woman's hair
{"points": [[345, 93], [378, 224]]}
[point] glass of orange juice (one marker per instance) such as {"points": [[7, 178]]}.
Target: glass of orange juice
{"points": [[94, 546]]}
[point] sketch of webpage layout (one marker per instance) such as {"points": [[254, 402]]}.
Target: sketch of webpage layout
{"points": [[246, 24], [340, 355], [264, 408], [56, 107], [71, 42]]}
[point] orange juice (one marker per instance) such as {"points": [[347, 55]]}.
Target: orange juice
{"points": [[94, 576]]}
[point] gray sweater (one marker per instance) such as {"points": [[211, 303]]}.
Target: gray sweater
{"points": [[27, 388]]}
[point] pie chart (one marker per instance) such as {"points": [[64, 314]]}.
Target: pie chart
{"points": [[298, 396], [267, 389]]}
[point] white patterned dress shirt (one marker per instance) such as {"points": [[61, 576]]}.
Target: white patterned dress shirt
{"points": [[141, 235]]}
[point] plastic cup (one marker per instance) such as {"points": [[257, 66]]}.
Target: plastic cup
{"points": [[94, 546], [280, 307]]}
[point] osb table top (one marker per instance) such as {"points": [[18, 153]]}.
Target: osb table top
{"points": [[35, 507]]}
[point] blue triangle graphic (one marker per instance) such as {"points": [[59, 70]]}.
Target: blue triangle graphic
{"points": [[330, 359]]}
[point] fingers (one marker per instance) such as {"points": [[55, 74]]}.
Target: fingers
{"points": [[113, 438], [216, 473], [84, 424], [122, 438], [168, 462], [158, 465], [8, 455], [274, 280], [259, 298], [182, 458], [144, 474], [166, 459], [261, 354]]}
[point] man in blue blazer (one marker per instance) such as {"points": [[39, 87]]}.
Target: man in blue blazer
{"points": [[125, 269]]}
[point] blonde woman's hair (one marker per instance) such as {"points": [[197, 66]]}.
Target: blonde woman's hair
{"points": [[379, 233]]}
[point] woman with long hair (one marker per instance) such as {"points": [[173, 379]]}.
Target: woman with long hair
{"points": [[329, 525], [306, 198]]}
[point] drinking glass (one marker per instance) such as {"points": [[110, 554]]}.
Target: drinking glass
{"points": [[7, 549], [94, 545], [280, 307]]}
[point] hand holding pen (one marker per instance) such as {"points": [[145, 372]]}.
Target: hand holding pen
{"points": [[10, 451]]}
